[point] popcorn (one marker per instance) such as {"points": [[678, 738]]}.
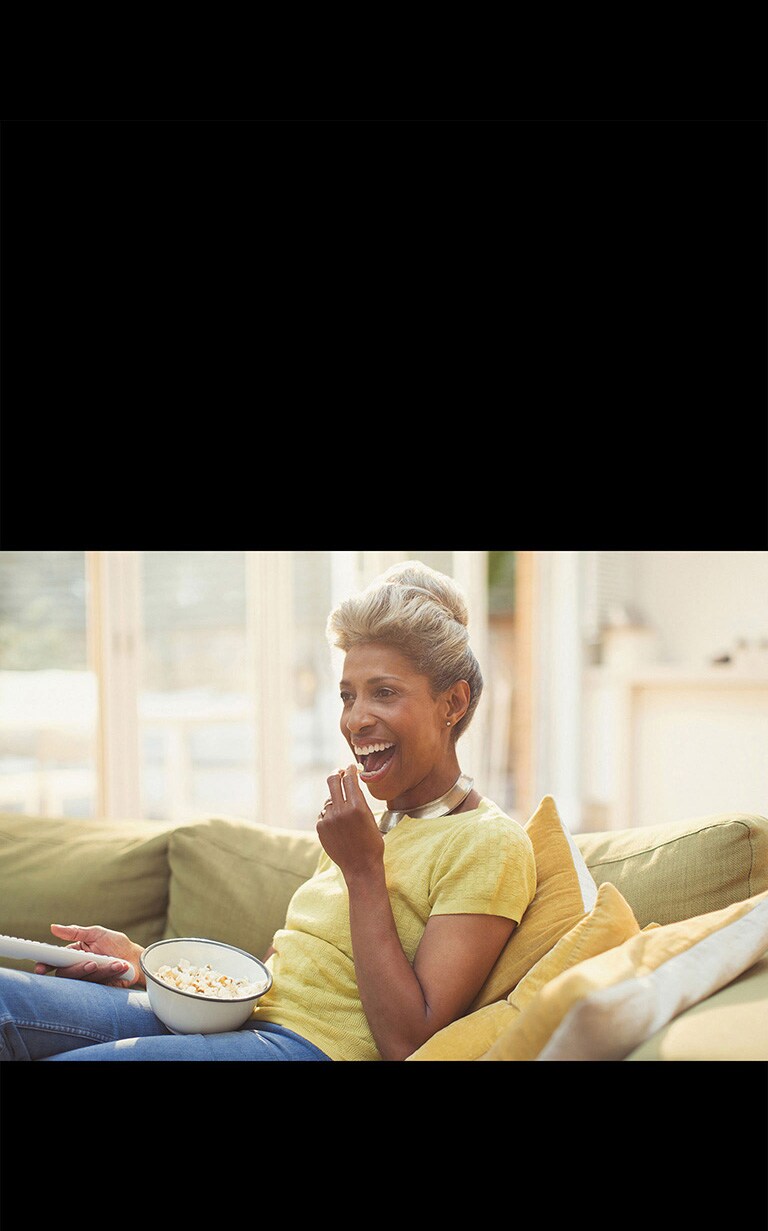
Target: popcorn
{"points": [[205, 981]]}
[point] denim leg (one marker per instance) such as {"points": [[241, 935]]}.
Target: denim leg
{"points": [[268, 1043], [43, 1016], [47, 1018]]}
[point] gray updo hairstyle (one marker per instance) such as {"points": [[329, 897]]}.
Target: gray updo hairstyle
{"points": [[421, 613]]}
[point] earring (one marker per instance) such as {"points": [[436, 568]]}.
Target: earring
{"points": [[448, 723]]}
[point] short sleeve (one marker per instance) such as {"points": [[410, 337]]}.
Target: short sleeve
{"points": [[486, 868]]}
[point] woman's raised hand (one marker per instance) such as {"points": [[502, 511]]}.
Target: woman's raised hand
{"points": [[347, 828]]}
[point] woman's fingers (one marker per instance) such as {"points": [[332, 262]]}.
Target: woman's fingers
{"points": [[76, 934], [343, 785], [351, 783], [335, 788]]}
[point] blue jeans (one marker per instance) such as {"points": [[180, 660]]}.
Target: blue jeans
{"points": [[47, 1018]]}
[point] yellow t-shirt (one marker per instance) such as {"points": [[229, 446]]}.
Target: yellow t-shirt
{"points": [[478, 862]]}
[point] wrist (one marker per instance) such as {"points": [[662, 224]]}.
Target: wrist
{"points": [[366, 878]]}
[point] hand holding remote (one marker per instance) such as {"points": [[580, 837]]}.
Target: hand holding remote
{"points": [[94, 954], [95, 944]]}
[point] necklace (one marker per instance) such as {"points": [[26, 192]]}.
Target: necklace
{"points": [[439, 807]]}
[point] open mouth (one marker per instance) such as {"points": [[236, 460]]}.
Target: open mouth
{"points": [[374, 758]]}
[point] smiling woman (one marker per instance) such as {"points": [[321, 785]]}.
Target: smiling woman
{"points": [[414, 636], [424, 895], [397, 726]]}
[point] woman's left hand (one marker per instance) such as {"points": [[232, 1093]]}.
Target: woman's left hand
{"points": [[97, 939], [347, 828]]}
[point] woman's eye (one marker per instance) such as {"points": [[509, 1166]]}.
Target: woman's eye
{"points": [[346, 697]]}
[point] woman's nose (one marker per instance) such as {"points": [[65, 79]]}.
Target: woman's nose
{"points": [[358, 718]]}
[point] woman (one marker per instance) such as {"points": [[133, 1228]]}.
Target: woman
{"points": [[398, 929]]}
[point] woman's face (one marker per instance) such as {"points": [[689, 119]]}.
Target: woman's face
{"points": [[395, 727]]}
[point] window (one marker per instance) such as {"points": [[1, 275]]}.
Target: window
{"points": [[196, 702], [48, 698], [176, 685]]}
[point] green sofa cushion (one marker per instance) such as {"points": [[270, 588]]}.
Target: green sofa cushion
{"points": [[232, 880], [677, 870], [56, 870]]}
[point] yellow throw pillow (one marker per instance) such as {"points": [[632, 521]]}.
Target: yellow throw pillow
{"points": [[565, 892], [470, 1037], [606, 1006], [610, 923]]}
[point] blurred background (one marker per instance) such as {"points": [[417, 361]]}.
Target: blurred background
{"points": [[632, 686]]}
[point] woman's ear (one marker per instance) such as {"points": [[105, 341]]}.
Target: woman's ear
{"points": [[457, 702]]}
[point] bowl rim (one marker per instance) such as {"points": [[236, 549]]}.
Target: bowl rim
{"points": [[206, 940]]}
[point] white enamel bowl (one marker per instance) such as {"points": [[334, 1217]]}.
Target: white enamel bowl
{"points": [[189, 1012]]}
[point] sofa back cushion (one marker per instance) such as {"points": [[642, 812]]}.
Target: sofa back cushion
{"points": [[232, 880], [681, 869], [59, 870]]}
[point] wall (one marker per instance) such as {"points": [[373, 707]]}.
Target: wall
{"points": [[700, 603]]}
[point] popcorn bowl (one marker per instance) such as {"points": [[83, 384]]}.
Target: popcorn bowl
{"points": [[191, 1012]]}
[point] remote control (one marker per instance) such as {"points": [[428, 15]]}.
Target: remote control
{"points": [[54, 955]]}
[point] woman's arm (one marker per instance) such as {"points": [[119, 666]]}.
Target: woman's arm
{"points": [[405, 1004]]}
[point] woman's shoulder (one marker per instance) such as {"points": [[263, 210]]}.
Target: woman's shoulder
{"points": [[489, 810], [484, 837], [488, 818]]}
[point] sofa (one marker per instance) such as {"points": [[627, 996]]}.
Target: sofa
{"points": [[647, 944]]}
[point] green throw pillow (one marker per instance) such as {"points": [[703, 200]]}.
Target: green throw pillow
{"points": [[62, 870], [232, 880]]}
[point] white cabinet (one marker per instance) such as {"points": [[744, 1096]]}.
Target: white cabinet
{"points": [[661, 744]]}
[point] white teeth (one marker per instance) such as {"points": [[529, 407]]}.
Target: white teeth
{"points": [[364, 750]]}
